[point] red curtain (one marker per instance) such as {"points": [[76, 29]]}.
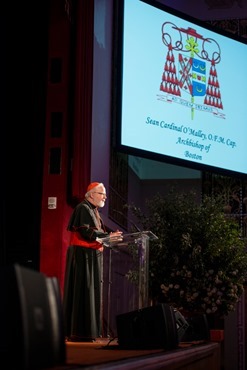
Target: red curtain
{"points": [[81, 152]]}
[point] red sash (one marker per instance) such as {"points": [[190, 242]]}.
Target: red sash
{"points": [[76, 239]]}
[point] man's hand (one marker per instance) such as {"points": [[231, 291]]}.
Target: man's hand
{"points": [[116, 236]]}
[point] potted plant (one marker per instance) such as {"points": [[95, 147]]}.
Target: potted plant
{"points": [[199, 261]]}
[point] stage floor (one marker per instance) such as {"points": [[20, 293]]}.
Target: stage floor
{"points": [[101, 351], [106, 354]]}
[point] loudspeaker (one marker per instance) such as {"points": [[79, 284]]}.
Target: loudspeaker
{"points": [[198, 329], [148, 328], [182, 324], [32, 328]]}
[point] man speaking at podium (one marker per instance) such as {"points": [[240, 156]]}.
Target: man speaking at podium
{"points": [[84, 267]]}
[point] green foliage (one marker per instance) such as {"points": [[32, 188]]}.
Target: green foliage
{"points": [[199, 261]]}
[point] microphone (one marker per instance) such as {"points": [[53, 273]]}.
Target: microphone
{"points": [[128, 219]]}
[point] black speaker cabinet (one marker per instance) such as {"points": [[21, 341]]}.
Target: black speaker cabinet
{"points": [[148, 328], [32, 328], [198, 329]]}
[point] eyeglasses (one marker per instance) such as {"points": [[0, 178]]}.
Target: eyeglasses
{"points": [[97, 192]]}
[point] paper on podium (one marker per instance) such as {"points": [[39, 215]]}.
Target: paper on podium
{"points": [[127, 239]]}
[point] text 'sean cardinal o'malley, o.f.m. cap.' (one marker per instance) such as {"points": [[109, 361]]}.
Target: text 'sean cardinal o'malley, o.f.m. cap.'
{"points": [[92, 185]]}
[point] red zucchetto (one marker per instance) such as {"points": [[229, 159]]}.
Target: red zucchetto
{"points": [[92, 185]]}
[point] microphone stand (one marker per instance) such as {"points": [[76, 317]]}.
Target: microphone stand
{"points": [[109, 294]]}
